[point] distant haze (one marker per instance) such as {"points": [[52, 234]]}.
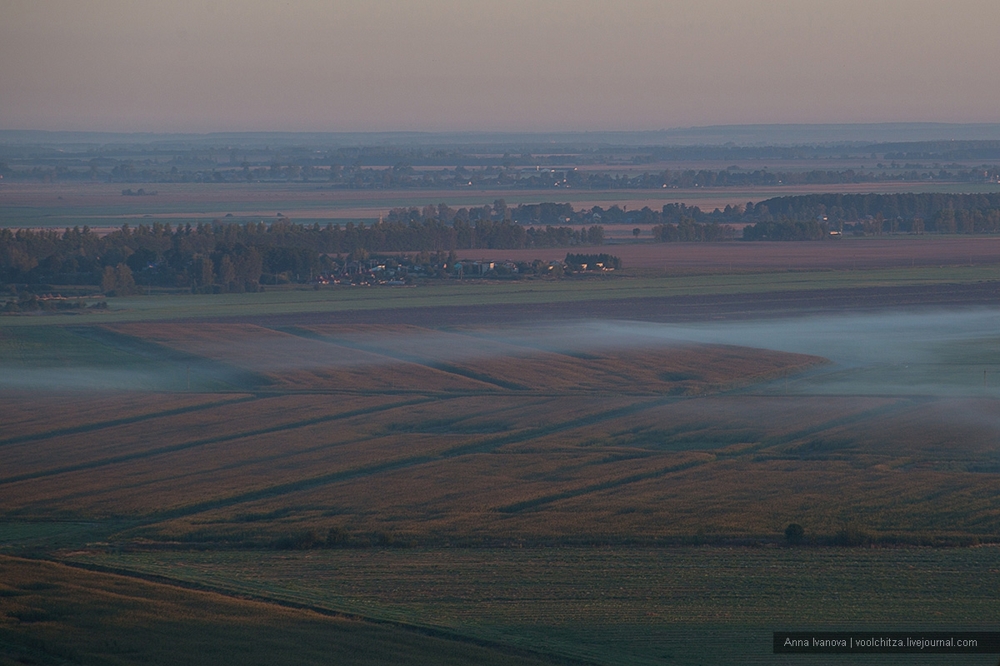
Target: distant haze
{"points": [[492, 65]]}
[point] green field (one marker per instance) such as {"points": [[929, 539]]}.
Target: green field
{"points": [[346, 298], [621, 605], [59, 615]]}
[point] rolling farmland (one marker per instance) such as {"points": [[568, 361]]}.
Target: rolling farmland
{"points": [[607, 492]]}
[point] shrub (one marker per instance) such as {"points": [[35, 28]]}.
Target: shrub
{"points": [[794, 533]]}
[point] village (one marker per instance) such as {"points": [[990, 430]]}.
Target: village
{"points": [[401, 270]]}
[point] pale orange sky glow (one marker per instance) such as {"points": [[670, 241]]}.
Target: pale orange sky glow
{"points": [[511, 65]]}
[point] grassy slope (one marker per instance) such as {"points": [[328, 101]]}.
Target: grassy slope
{"points": [[622, 605], [53, 614]]}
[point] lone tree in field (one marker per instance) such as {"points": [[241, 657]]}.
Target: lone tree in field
{"points": [[794, 533]]}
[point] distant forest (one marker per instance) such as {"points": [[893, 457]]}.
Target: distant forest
{"points": [[234, 257], [241, 257], [803, 217], [813, 216]]}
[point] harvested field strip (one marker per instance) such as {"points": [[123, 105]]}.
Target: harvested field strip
{"points": [[301, 362], [851, 419], [477, 415], [388, 352], [483, 446], [597, 487], [654, 368], [221, 472], [456, 501], [292, 487], [138, 437], [707, 422], [173, 448], [148, 488], [493, 443], [101, 425], [31, 412]]}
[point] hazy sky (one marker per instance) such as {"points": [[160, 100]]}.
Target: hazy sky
{"points": [[340, 65]]}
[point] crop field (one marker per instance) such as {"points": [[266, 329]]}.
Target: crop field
{"points": [[598, 471], [579, 450], [324, 413]]}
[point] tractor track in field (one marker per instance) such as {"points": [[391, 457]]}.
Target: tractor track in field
{"points": [[125, 420], [770, 442], [486, 445], [128, 457]]}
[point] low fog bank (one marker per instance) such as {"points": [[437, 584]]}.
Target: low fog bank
{"points": [[102, 379], [944, 352], [75, 379]]}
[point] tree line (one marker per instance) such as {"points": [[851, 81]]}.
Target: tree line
{"points": [[814, 216], [811, 217], [242, 257]]}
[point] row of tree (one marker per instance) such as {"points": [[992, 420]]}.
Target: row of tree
{"points": [[235, 257], [815, 216], [907, 212], [238, 257]]}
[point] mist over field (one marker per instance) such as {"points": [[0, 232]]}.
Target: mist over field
{"points": [[940, 352], [937, 353]]}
